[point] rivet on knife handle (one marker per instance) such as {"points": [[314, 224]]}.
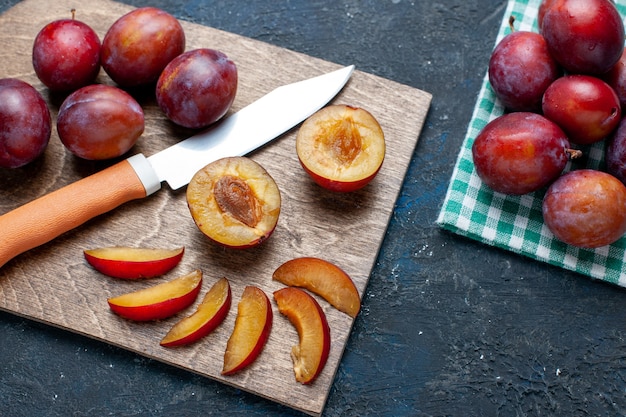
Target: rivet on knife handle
{"points": [[47, 217]]}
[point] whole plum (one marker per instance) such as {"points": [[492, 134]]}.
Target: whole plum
{"points": [[543, 7], [586, 208], [25, 123], [615, 153], [197, 88], [616, 78], [521, 69], [99, 122], [584, 36], [520, 152], [140, 44], [66, 55], [585, 107]]}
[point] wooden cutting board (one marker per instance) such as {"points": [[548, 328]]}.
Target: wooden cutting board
{"points": [[53, 283]]}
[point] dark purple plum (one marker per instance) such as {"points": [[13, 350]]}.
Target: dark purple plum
{"points": [[616, 78], [99, 122], [520, 70], [25, 123], [197, 88], [615, 153]]}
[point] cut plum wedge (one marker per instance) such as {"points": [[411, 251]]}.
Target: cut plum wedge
{"points": [[306, 315], [252, 329], [322, 278], [159, 301], [133, 263], [210, 313]]}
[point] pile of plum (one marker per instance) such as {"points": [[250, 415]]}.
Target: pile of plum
{"points": [[563, 89], [144, 48]]}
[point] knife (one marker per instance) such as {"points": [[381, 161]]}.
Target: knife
{"points": [[51, 215]]}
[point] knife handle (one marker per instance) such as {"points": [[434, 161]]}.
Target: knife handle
{"points": [[51, 215]]}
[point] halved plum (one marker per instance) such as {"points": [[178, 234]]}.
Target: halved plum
{"points": [[234, 201], [341, 147]]}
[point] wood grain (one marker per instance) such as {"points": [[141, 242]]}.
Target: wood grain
{"points": [[53, 283]]}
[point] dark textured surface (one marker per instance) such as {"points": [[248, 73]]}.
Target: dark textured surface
{"points": [[448, 326]]}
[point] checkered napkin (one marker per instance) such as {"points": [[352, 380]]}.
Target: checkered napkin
{"points": [[515, 223]]}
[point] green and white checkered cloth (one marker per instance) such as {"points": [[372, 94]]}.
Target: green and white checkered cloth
{"points": [[515, 223]]}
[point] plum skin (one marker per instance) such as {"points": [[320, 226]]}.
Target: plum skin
{"points": [[100, 122], [586, 208], [584, 36], [616, 78], [520, 152], [197, 88], [66, 55], [615, 153], [584, 106], [521, 69], [139, 45], [25, 123]]}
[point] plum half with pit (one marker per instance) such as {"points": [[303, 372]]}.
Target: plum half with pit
{"points": [[66, 55], [140, 44], [341, 147], [197, 88], [100, 122], [235, 202], [25, 123]]}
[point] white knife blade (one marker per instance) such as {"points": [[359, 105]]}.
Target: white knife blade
{"points": [[249, 128], [47, 217]]}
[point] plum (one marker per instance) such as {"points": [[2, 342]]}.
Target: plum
{"points": [[586, 208], [615, 152], [197, 88], [520, 152], [584, 36], [541, 12], [66, 55], [585, 107], [140, 44], [520, 70], [25, 123], [99, 122], [616, 78]]}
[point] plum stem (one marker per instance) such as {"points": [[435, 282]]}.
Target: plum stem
{"points": [[573, 153], [511, 23]]}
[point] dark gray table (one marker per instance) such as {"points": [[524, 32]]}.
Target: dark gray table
{"points": [[448, 326]]}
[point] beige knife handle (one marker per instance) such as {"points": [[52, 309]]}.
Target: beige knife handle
{"points": [[47, 217]]}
